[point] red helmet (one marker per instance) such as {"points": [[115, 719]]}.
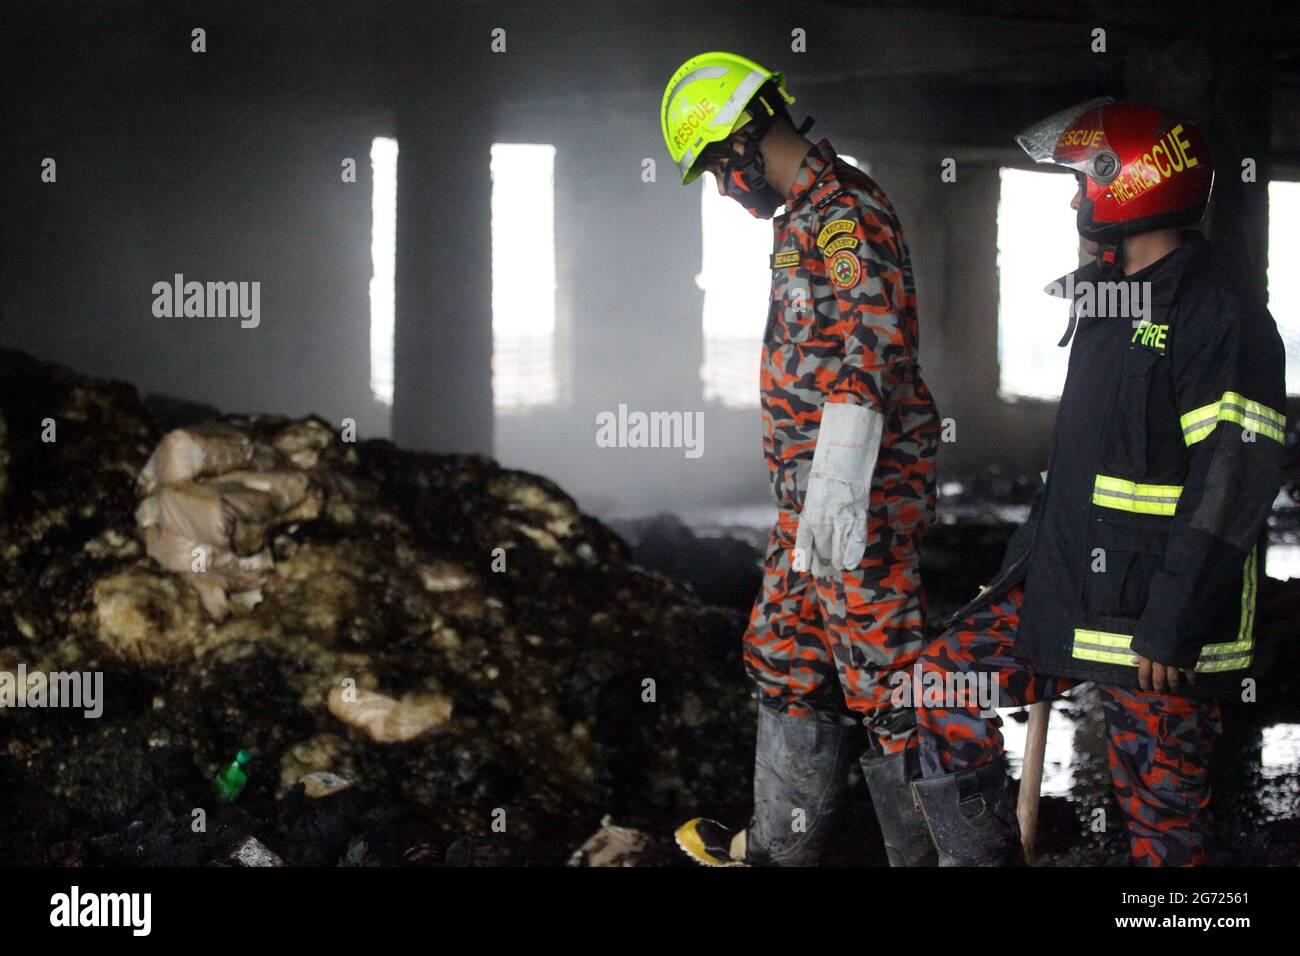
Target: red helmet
{"points": [[1145, 167]]}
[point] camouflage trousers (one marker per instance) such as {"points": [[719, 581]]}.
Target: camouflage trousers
{"points": [[826, 646], [1159, 745]]}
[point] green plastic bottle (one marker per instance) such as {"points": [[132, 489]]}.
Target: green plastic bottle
{"points": [[230, 783]]}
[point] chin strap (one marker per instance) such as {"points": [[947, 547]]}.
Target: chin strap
{"points": [[805, 126], [1069, 329], [745, 177], [1110, 258]]}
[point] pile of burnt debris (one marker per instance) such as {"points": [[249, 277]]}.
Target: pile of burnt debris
{"points": [[431, 659], [476, 660]]}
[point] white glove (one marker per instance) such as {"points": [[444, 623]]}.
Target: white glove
{"points": [[832, 533]]}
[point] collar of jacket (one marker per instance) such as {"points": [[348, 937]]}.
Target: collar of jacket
{"points": [[1165, 275], [817, 164]]}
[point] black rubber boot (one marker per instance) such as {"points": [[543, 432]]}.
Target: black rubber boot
{"points": [[972, 817], [907, 836], [800, 781]]}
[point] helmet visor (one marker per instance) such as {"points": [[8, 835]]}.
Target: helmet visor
{"points": [[1068, 138]]}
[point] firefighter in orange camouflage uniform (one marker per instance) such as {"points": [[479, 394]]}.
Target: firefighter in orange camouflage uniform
{"points": [[849, 433]]}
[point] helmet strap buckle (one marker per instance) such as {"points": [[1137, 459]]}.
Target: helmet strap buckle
{"points": [[1111, 256]]}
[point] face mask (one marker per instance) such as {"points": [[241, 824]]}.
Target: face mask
{"points": [[746, 182]]}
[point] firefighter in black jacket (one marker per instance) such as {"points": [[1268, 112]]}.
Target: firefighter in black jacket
{"points": [[1137, 568]]}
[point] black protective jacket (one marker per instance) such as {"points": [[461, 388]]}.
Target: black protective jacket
{"points": [[1165, 460]]}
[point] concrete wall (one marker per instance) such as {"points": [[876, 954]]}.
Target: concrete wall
{"points": [[226, 166], [221, 167]]}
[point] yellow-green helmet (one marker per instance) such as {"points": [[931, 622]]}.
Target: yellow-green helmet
{"points": [[705, 102]]}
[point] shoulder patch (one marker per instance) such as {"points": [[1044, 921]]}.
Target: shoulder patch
{"points": [[844, 269], [832, 229], [843, 242]]}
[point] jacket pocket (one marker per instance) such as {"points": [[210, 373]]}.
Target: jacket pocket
{"points": [[792, 311], [1124, 446], [1124, 555]]}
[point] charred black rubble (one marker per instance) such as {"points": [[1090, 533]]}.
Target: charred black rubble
{"points": [[520, 697]]}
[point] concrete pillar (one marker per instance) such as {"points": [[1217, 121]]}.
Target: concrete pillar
{"points": [[1225, 85], [636, 307], [443, 339], [1238, 122], [967, 389]]}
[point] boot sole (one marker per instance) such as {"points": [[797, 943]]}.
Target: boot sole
{"points": [[689, 843]]}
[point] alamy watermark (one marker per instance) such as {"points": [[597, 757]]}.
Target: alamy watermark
{"points": [[950, 690], [132, 911], [631, 429], [208, 300], [1115, 300], [37, 689]]}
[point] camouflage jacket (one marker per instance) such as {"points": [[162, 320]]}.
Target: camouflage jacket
{"points": [[842, 327]]}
